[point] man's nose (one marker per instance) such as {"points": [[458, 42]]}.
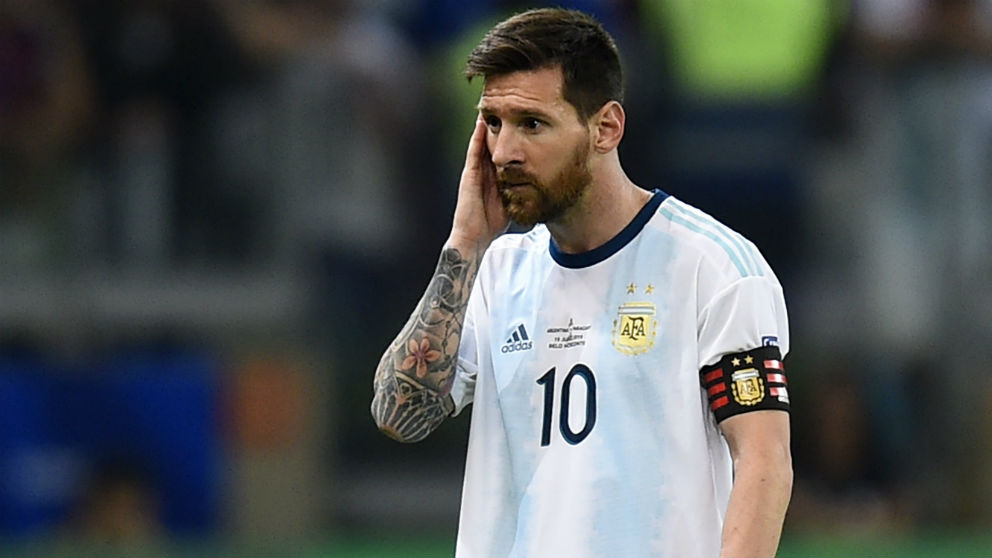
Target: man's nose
{"points": [[506, 148]]}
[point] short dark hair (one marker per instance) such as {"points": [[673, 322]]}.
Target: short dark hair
{"points": [[548, 37]]}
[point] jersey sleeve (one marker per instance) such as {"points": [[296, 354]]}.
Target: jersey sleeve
{"points": [[467, 367], [743, 337], [748, 314]]}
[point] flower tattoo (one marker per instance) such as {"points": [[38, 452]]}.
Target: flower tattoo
{"points": [[419, 355]]}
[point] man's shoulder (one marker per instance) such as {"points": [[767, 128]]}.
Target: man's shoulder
{"points": [[532, 240], [710, 240], [514, 250]]}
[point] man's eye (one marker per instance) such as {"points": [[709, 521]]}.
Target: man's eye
{"points": [[532, 123], [492, 122]]}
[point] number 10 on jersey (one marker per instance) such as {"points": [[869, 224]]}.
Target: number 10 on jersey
{"points": [[548, 381]]}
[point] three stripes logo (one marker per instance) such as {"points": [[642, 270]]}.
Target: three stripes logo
{"points": [[518, 340]]}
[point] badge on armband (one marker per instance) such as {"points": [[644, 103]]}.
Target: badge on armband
{"points": [[747, 381]]}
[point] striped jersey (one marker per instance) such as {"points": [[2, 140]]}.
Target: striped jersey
{"points": [[590, 433]]}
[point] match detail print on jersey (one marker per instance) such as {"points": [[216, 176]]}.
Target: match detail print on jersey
{"points": [[747, 381]]}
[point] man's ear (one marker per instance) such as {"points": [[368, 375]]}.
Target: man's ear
{"points": [[607, 127]]}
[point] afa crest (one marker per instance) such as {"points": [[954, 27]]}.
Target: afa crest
{"points": [[635, 327], [748, 388]]}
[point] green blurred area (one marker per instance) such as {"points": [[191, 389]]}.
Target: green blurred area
{"points": [[367, 544]]}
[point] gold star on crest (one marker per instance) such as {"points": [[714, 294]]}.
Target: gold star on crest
{"points": [[736, 362], [631, 288], [649, 289], [748, 359]]}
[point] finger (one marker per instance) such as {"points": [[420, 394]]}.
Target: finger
{"points": [[477, 146]]}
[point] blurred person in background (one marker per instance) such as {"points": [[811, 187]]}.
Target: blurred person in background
{"points": [[341, 95], [734, 138], [46, 100], [673, 325], [844, 481], [902, 198], [162, 69], [119, 509]]}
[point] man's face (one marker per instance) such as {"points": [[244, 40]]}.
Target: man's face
{"points": [[538, 144]]}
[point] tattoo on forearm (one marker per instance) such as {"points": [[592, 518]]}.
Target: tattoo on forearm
{"points": [[415, 374]]}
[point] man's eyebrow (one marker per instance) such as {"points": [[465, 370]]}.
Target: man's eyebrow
{"points": [[519, 112]]}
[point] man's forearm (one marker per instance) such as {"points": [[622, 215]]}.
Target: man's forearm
{"points": [[758, 502], [416, 372]]}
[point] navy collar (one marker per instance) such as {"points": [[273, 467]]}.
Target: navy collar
{"points": [[612, 246]]}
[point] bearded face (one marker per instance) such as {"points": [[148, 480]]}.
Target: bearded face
{"points": [[529, 200]]}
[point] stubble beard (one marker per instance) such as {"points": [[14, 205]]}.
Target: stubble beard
{"points": [[543, 203]]}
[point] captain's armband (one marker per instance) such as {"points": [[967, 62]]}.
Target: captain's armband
{"points": [[747, 381]]}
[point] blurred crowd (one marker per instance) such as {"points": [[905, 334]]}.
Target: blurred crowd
{"points": [[268, 184]]}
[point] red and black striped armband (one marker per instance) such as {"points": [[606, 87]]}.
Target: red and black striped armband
{"points": [[747, 381]]}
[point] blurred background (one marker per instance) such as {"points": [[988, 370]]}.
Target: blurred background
{"points": [[215, 214]]}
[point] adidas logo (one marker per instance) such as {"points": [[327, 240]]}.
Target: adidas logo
{"points": [[518, 340]]}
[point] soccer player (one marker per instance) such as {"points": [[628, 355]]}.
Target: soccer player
{"points": [[623, 357]]}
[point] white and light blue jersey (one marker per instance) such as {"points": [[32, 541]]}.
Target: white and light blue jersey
{"points": [[590, 433]]}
